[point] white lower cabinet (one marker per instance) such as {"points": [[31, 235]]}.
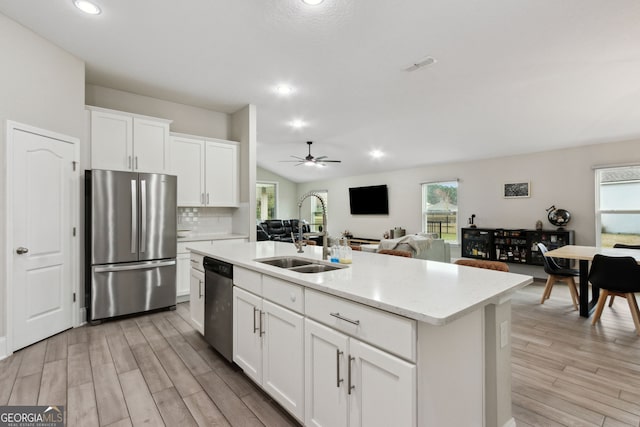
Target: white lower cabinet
{"points": [[350, 383], [268, 345], [196, 301]]}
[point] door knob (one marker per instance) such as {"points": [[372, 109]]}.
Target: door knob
{"points": [[21, 250]]}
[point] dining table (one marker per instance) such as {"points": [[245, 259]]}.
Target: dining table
{"points": [[584, 254]]}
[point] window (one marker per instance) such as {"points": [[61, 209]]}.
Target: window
{"points": [[266, 201], [618, 206], [440, 209]]}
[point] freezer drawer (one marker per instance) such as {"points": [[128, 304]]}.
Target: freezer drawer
{"points": [[119, 289]]}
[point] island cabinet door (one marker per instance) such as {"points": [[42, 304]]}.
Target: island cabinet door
{"points": [[283, 357], [196, 300], [248, 328], [326, 399], [383, 388]]}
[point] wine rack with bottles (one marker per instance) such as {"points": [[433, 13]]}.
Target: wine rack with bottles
{"points": [[513, 245]]}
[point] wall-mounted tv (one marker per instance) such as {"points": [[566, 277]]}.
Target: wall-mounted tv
{"points": [[371, 200]]}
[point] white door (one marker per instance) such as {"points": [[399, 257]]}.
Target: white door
{"points": [[187, 163], [196, 300], [248, 328], [326, 381], [283, 357], [384, 388], [42, 199]]}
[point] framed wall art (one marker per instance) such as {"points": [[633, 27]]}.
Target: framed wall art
{"points": [[516, 190]]}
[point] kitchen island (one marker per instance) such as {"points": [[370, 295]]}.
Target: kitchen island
{"points": [[385, 341]]}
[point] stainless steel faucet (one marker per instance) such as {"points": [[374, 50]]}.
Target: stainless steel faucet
{"points": [[323, 233]]}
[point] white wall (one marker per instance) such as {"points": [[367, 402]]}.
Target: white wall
{"points": [[40, 85], [186, 118], [287, 193], [243, 125], [563, 178]]}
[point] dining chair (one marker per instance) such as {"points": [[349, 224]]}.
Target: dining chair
{"points": [[558, 274], [619, 276], [395, 252], [621, 246], [481, 263]]}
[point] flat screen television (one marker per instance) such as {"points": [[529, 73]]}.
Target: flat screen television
{"points": [[371, 200]]}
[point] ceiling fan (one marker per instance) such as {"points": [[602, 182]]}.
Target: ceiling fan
{"points": [[310, 160]]}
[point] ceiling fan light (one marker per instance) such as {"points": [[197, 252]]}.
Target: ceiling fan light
{"points": [[309, 163]]}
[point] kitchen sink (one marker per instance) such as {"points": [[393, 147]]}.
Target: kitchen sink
{"points": [[286, 262], [300, 265], [316, 268]]}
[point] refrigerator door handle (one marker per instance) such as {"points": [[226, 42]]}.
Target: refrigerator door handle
{"points": [[134, 216], [143, 215], [136, 266]]}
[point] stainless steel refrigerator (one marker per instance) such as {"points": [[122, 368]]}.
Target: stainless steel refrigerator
{"points": [[130, 242]]}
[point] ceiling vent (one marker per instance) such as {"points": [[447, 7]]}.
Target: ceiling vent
{"points": [[424, 62]]}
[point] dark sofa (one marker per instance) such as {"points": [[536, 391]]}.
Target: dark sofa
{"points": [[280, 230]]}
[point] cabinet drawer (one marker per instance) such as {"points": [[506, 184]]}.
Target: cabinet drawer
{"points": [[196, 261], [247, 279], [390, 332], [286, 294]]}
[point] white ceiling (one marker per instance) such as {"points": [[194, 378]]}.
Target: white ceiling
{"points": [[512, 76]]}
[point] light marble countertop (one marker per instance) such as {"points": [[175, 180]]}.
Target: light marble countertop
{"points": [[427, 291], [211, 236]]}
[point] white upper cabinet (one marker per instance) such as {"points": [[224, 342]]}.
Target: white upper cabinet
{"points": [[187, 163], [207, 171], [127, 142]]}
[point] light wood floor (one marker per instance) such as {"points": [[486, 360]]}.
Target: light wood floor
{"points": [[155, 369]]}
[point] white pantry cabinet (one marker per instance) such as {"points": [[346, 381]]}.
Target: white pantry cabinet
{"points": [[128, 142], [196, 285], [207, 170], [269, 338]]}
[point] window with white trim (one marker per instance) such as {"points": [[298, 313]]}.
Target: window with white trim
{"points": [[266, 201], [618, 205], [440, 209]]}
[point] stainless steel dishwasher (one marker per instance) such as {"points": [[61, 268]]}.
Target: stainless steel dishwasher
{"points": [[218, 306]]}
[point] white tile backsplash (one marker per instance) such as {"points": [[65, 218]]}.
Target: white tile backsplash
{"points": [[206, 220]]}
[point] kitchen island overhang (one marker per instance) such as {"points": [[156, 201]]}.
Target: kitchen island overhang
{"points": [[463, 318]]}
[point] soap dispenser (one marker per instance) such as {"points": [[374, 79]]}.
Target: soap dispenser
{"points": [[345, 252]]}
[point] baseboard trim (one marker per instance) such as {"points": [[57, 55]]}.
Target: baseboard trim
{"points": [[510, 423], [3, 348]]}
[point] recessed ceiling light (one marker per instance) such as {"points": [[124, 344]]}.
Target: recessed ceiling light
{"points": [[284, 90], [87, 7], [297, 124], [312, 2], [376, 154]]}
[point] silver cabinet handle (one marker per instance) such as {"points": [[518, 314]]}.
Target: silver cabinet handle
{"points": [[338, 379], [199, 289], [255, 329], [134, 216], [338, 316], [261, 329], [136, 162], [143, 214], [129, 163], [207, 198], [21, 250], [351, 387], [202, 198]]}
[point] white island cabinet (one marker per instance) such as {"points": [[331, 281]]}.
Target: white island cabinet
{"points": [[128, 142], [386, 341], [268, 337]]}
